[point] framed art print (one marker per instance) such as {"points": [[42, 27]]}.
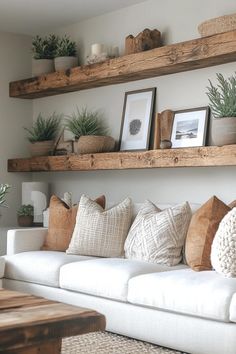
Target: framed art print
{"points": [[190, 127], [136, 120]]}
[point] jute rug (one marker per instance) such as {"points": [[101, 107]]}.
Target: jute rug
{"points": [[109, 343]]}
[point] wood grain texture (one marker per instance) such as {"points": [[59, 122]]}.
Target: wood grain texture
{"points": [[166, 123], [183, 157], [174, 58], [35, 322]]}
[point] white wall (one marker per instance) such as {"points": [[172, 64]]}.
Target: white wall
{"points": [[15, 64], [178, 21]]}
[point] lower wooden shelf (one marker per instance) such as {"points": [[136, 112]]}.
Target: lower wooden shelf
{"points": [[183, 157]]}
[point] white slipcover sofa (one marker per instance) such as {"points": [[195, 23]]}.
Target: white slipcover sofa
{"points": [[194, 312]]}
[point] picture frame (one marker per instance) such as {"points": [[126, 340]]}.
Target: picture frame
{"points": [[136, 119], [190, 127]]}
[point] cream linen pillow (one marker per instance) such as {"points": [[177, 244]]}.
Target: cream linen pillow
{"points": [[100, 232], [223, 251], [158, 236]]}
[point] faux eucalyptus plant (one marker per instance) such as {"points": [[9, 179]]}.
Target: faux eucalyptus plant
{"points": [[65, 47]]}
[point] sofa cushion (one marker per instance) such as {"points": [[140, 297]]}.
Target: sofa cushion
{"points": [[203, 294], [41, 267], [105, 277]]}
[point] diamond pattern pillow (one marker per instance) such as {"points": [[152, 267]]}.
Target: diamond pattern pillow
{"points": [[100, 232], [158, 236]]}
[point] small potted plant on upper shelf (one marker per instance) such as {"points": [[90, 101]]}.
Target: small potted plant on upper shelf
{"points": [[44, 50], [90, 131], [25, 215], [65, 57], [43, 133], [223, 107]]}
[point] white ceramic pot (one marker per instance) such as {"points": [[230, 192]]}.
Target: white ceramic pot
{"points": [[42, 66], [65, 63], [222, 131]]}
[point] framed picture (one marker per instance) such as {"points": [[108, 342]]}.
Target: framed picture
{"points": [[136, 119], [190, 127]]}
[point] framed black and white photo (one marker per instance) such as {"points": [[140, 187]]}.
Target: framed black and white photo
{"points": [[190, 127], [136, 119]]}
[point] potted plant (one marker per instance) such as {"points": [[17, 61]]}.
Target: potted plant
{"points": [[44, 50], [65, 54], [90, 131], [223, 107], [43, 134], [4, 189], [25, 215]]}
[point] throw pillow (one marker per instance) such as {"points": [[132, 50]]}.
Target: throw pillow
{"points": [[223, 252], [202, 229], [158, 236], [232, 204], [100, 232], [61, 223]]}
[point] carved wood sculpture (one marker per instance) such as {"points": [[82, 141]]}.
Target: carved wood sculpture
{"points": [[162, 129], [145, 40]]}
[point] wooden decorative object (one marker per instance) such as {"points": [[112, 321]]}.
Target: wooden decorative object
{"points": [[217, 25], [174, 58], [63, 147], [182, 157], [157, 133], [91, 144], [166, 123], [145, 40]]}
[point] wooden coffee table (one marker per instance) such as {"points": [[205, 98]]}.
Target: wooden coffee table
{"points": [[31, 324]]}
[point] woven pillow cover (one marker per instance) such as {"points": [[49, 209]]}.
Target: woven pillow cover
{"points": [[100, 232], [158, 236]]}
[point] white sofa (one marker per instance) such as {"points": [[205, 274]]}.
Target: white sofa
{"points": [[194, 312]]}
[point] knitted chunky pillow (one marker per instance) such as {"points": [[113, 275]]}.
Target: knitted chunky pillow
{"points": [[158, 236], [223, 252]]}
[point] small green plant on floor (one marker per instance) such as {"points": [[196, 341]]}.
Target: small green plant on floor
{"points": [[44, 129], [223, 97], [4, 189], [85, 122], [44, 47], [25, 210], [65, 47]]}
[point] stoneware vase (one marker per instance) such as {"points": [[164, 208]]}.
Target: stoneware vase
{"points": [[89, 144], [42, 66], [222, 131], [65, 63], [25, 220], [42, 148]]}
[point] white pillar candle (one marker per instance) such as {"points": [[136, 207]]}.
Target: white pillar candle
{"points": [[96, 49]]}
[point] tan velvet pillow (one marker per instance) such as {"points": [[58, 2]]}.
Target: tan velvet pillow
{"points": [[61, 223], [201, 232]]}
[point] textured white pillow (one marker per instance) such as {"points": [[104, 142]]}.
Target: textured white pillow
{"points": [[100, 232], [158, 236], [223, 250]]}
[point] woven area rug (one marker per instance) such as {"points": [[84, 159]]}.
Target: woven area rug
{"points": [[109, 343]]}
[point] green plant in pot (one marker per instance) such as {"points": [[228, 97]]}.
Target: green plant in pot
{"points": [[4, 189], [65, 57], [90, 131], [43, 133], [222, 99], [44, 50], [25, 215]]}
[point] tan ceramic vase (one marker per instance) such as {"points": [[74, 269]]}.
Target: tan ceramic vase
{"points": [[222, 131]]}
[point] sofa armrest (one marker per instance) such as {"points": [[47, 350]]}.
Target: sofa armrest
{"points": [[24, 240]]}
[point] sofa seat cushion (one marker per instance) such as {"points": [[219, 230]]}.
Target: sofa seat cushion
{"points": [[41, 267], [203, 294], [106, 277]]}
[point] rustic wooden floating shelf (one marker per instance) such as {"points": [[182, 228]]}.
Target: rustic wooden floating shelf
{"points": [[184, 157], [170, 59]]}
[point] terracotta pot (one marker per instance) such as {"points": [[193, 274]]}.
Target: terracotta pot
{"points": [[222, 131], [42, 148], [65, 63], [25, 220], [42, 66], [89, 144]]}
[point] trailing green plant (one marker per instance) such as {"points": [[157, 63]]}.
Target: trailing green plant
{"points": [[4, 189], [44, 47], [223, 97], [85, 122], [66, 47], [25, 210], [44, 129]]}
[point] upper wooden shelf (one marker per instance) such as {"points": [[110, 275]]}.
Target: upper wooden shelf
{"points": [[174, 58], [184, 157]]}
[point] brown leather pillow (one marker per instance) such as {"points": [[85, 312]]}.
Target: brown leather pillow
{"points": [[61, 223], [201, 232]]}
